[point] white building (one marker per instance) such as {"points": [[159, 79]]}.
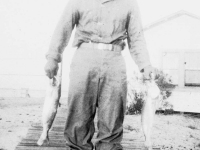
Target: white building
{"points": [[174, 46]]}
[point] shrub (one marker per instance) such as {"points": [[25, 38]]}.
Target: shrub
{"points": [[136, 92]]}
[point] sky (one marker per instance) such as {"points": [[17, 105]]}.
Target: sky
{"points": [[27, 26], [24, 20], [153, 10]]}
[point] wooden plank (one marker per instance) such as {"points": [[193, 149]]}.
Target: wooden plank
{"points": [[61, 139], [57, 140], [131, 145], [39, 148], [64, 148], [58, 129]]}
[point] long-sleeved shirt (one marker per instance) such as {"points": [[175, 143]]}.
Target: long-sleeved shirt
{"points": [[101, 21]]}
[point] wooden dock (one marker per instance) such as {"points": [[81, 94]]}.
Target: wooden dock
{"points": [[57, 141]]}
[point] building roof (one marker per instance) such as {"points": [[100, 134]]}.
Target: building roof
{"points": [[171, 17]]}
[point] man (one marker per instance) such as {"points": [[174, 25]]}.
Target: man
{"points": [[98, 72]]}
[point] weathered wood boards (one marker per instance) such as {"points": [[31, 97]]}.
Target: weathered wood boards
{"points": [[57, 141]]}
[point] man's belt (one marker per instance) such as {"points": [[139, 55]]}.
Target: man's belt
{"points": [[102, 46]]}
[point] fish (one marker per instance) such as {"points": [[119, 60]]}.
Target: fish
{"points": [[50, 106], [150, 104]]}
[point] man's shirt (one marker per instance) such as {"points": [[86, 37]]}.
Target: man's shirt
{"points": [[101, 21]]}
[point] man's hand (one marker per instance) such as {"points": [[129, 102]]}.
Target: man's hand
{"points": [[148, 71], [51, 68]]}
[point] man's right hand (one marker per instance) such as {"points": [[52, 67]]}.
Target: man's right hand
{"points": [[51, 68]]}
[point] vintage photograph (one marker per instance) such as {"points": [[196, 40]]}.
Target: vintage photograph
{"points": [[100, 75]]}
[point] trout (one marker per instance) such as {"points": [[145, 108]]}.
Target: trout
{"points": [[148, 111], [51, 103]]}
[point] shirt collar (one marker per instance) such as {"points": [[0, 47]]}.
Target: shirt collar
{"points": [[104, 1]]}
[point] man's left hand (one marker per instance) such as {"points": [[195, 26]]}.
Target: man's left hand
{"points": [[148, 71]]}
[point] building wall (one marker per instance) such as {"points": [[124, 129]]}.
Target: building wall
{"points": [[179, 34], [169, 43]]}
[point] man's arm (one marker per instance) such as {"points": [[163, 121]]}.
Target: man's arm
{"points": [[61, 38], [136, 41], [63, 31]]}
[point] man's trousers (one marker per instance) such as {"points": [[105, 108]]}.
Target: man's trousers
{"points": [[97, 79]]}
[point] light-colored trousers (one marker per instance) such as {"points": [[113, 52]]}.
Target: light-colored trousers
{"points": [[97, 79]]}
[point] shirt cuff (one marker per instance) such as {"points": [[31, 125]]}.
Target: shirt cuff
{"points": [[56, 56], [143, 65]]}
